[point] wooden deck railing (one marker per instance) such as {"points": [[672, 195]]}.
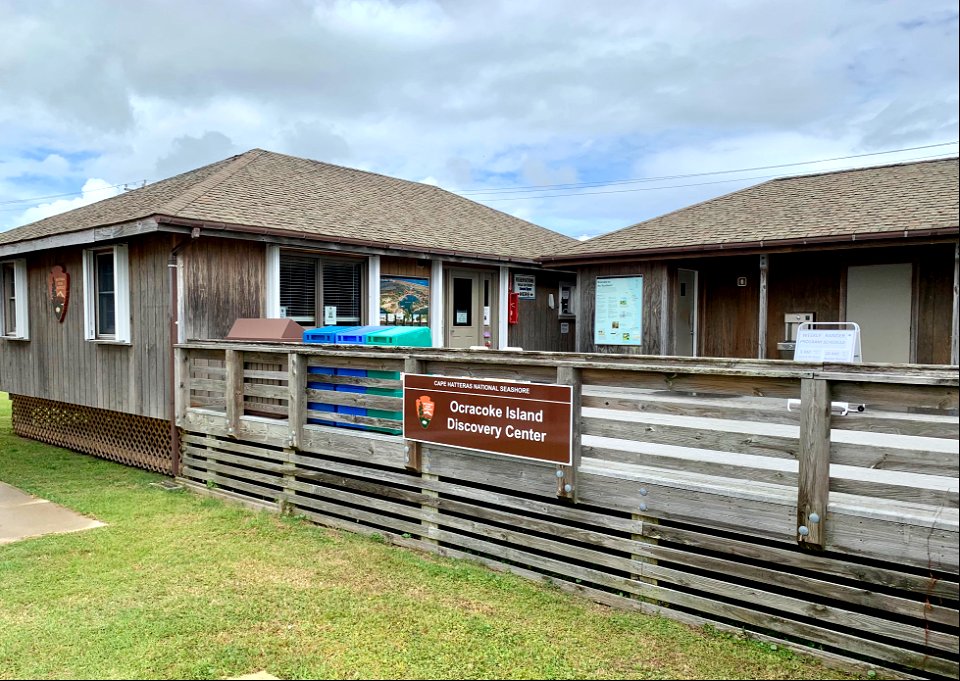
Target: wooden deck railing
{"points": [[810, 503]]}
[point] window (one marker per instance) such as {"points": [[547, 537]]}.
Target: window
{"points": [[317, 290], [462, 301], [13, 292], [106, 294]]}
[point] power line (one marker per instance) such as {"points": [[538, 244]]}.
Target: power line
{"points": [[586, 185], [574, 185], [692, 184], [58, 196]]}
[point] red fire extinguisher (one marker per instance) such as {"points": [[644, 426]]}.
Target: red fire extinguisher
{"points": [[513, 308]]}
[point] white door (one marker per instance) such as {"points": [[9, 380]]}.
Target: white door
{"points": [[686, 326], [463, 323], [880, 300], [471, 316]]}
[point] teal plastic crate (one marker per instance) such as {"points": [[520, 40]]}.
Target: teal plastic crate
{"points": [[402, 336]]}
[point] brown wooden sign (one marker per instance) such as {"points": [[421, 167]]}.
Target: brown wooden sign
{"points": [[528, 420], [58, 291]]}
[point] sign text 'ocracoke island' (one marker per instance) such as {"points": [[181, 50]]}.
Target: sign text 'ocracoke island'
{"points": [[528, 420]]}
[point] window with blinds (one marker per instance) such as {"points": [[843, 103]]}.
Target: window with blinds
{"points": [[309, 283], [298, 288], [342, 289]]}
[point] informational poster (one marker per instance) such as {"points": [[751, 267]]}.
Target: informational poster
{"points": [[329, 315], [404, 301], [618, 318], [526, 420], [525, 285]]}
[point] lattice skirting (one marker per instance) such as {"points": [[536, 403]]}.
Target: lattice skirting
{"points": [[126, 438]]}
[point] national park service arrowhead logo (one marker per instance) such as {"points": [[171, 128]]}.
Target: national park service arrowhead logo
{"points": [[58, 291], [425, 407]]}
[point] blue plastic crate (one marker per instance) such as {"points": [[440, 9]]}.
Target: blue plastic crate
{"points": [[326, 334], [317, 385], [345, 409]]}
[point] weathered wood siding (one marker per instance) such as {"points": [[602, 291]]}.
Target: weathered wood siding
{"points": [[934, 299], [404, 267], [539, 325], [729, 312], [223, 280], [812, 281], [801, 283], [656, 288], [58, 364]]}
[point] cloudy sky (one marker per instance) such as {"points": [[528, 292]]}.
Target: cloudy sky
{"points": [[541, 108]]}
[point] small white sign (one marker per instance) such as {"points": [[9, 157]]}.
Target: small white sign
{"points": [[329, 315], [828, 344], [525, 285], [461, 317], [564, 327]]}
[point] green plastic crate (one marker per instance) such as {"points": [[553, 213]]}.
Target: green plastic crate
{"points": [[389, 392]]}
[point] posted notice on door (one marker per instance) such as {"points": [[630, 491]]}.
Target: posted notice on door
{"points": [[526, 420]]}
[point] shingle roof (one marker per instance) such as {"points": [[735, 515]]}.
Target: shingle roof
{"points": [[262, 189], [892, 198]]}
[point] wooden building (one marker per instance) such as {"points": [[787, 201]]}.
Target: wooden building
{"points": [[732, 276], [90, 296]]}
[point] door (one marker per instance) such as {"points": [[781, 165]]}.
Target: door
{"points": [[471, 319], [879, 299], [686, 335]]}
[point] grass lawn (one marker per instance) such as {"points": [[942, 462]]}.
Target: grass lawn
{"points": [[179, 586]]}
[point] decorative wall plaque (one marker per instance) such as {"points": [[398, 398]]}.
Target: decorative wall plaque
{"points": [[58, 289]]}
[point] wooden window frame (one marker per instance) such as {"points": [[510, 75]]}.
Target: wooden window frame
{"points": [[121, 295], [21, 301]]}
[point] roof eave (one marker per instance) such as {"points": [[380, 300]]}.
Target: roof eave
{"points": [[228, 227], [740, 246], [107, 232]]}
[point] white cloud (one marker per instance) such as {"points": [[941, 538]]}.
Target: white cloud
{"points": [[383, 20], [472, 94], [93, 190]]}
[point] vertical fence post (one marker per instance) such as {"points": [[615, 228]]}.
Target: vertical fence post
{"points": [[567, 475], [181, 380], [813, 481], [181, 401], [234, 389], [296, 401], [411, 449], [431, 512], [296, 416]]}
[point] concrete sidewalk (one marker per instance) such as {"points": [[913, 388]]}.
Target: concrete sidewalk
{"points": [[22, 516]]}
